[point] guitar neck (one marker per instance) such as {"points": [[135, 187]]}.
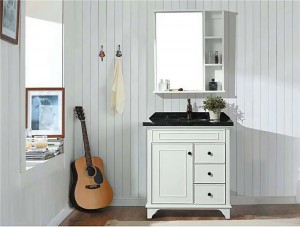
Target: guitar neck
{"points": [[86, 143]]}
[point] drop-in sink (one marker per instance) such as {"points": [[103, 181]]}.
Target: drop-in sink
{"points": [[181, 119]]}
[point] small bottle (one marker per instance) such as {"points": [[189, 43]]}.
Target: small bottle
{"points": [[213, 86], [210, 57], [219, 85], [167, 82], [161, 85], [216, 57]]}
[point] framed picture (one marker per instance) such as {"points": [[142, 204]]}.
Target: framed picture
{"points": [[10, 16], [45, 111]]}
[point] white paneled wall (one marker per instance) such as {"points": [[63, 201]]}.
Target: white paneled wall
{"points": [[263, 90], [35, 196]]}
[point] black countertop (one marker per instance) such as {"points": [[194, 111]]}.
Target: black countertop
{"points": [[180, 119]]}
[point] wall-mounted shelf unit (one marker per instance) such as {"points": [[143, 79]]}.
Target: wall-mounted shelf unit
{"points": [[216, 37], [187, 92]]}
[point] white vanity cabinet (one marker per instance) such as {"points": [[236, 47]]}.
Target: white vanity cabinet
{"points": [[188, 169]]}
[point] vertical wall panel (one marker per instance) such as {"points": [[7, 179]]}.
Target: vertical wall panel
{"points": [[272, 96], [232, 100], [143, 116], [288, 97], [102, 106], [264, 100], [296, 91], [118, 117], [256, 90], [78, 77], [240, 77], [110, 60], [248, 123], [134, 98], [127, 148], [86, 53], [94, 137], [280, 164]]}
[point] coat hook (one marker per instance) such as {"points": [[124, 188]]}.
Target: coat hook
{"points": [[119, 53], [101, 54]]}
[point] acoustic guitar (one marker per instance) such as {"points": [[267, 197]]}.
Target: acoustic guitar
{"points": [[90, 189]]}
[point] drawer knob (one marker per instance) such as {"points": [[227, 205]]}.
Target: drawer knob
{"points": [[190, 153], [209, 153], [209, 174], [210, 195]]}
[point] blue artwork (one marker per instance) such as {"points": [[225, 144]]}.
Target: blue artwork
{"points": [[45, 113]]}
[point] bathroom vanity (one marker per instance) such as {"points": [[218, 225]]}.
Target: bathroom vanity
{"points": [[188, 163]]}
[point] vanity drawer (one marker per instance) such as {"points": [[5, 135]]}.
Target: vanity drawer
{"points": [[209, 194], [209, 153], [188, 136], [209, 173]]}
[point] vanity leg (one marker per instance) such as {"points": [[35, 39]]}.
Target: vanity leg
{"points": [[151, 212], [226, 213]]}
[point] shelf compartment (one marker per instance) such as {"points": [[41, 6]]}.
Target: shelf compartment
{"points": [[213, 23], [213, 45]]}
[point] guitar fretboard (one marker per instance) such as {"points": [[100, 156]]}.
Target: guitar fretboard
{"points": [[86, 143]]}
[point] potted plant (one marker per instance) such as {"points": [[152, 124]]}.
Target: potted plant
{"points": [[214, 105]]}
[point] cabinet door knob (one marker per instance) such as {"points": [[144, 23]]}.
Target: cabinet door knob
{"points": [[209, 194], [209, 153], [190, 153], [209, 174]]}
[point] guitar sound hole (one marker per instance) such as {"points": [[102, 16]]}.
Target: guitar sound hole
{"points": [[90, 171]]}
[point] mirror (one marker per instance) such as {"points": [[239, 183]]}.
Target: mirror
{"points": [[179, 50]]}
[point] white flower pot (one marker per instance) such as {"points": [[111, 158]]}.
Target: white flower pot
{"points": [[214, 116]]}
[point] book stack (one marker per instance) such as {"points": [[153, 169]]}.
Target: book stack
{"points": [[55, 147]]}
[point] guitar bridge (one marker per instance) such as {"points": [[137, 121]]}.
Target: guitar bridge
{"points": [[92, 186]]}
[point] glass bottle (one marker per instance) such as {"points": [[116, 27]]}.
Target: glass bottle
{"points": [[161, 85], [210, 57], [167, 82], [216, 57]]}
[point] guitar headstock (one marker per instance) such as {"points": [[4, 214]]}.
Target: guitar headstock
{"points": [[80, 113]]}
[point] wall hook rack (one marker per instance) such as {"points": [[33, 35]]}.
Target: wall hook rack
{"points": [[102, 53], [119, 53]]}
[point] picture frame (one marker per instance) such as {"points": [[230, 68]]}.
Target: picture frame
{"points": [[9, 20], [45, 111]]}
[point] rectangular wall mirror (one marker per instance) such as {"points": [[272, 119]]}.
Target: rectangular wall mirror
{"points": [[179, 50]]}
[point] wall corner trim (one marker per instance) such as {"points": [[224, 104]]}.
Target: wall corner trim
{"points": [[60, 216]]}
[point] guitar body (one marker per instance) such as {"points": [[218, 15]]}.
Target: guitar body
{"points": [[90, 189]]}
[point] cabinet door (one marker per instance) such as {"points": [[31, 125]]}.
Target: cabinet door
{"points": [[172, 173]]}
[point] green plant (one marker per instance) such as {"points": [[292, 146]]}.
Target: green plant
{"points": [[214, 103]]}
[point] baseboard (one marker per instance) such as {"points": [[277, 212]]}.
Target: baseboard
{"points": [[246, 200], [235, 200], [128, 202], [60, 216]]}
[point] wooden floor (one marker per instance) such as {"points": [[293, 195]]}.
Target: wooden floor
{"points": [[139, 214]]}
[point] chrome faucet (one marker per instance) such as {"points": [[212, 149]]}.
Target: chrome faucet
{"points": [[189, 109]]}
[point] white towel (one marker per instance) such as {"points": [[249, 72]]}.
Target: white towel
{"points": [[118, 88]]}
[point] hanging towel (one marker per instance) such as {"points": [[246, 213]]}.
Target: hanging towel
{"points": [[118, 88]]}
